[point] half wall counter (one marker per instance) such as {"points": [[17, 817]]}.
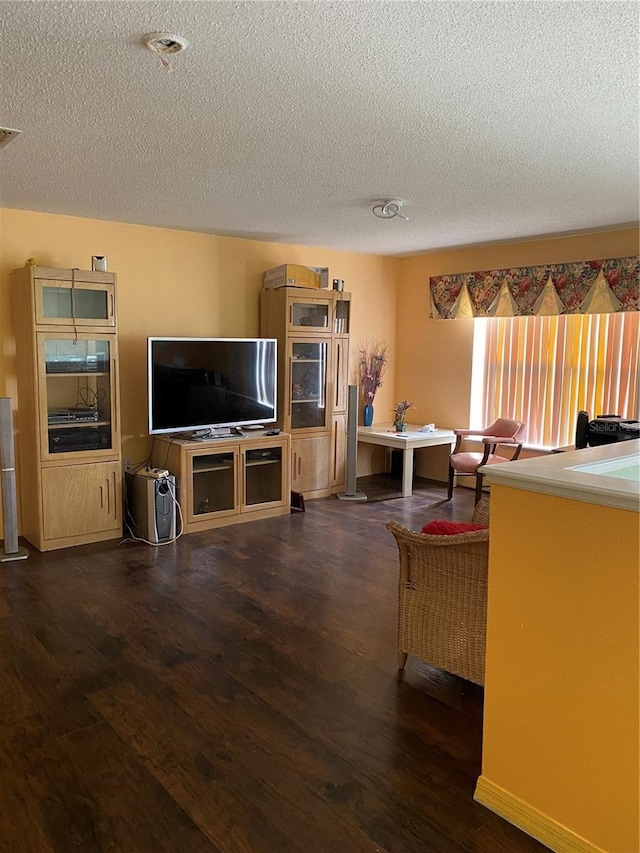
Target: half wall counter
{"points": [[561, 739]]}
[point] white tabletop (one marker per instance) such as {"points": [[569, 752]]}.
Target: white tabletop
{"points": [[386, 435], [414, 438]]}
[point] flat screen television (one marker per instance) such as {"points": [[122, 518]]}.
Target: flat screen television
{"points": [[197, 384]]}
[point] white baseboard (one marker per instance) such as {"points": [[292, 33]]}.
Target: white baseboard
{"points": [[540, 826]]}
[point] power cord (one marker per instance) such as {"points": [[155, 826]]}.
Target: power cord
{"points": [[90, 398], [171, 440], [133, 468]]}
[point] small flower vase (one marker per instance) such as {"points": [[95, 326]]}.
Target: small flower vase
{"points": [[400, 426], [367, 415]]}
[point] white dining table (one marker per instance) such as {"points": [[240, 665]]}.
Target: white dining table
{"points": [[413, 439]]}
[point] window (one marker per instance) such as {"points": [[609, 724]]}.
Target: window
{"points": [[543, 370]]}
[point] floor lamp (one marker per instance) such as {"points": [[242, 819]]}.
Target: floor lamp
{"points": [[11, 550]]}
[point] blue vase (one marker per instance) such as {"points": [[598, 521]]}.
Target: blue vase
{"points": [[367, 415]]}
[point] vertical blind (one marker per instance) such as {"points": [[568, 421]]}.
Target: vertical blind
{"points": [[543, 370]]}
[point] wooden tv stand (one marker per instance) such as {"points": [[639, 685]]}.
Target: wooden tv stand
{"points": [[228, 480]]}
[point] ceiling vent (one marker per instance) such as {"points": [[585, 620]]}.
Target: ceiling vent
{"points": [[6, 135]]}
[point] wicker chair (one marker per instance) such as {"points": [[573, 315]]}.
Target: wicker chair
{"points": [[442, 597]]}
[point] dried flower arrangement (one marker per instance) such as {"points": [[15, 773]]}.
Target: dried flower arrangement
{"points": [[374, 360]]}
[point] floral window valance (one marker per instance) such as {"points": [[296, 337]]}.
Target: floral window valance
{"points": [[584, 287]]}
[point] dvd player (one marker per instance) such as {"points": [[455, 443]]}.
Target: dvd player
{"points": [[77, 364], [74, 414]]}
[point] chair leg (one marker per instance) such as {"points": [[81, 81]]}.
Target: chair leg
{"points": [[402, 659], [452, 475], [479, 479]]}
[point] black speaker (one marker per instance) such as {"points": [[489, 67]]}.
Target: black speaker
{"points": [[582, 430]]}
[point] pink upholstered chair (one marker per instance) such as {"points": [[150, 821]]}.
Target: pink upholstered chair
{"points": [[502, 431]]}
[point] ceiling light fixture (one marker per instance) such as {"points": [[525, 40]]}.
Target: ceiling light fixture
{"points": [[389, 209], [165, 44]]}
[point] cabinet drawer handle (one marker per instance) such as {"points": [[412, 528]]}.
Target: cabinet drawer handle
{"points": [[115, 504], [108, 497], [111, 306], [101, 497], [299, 465]]}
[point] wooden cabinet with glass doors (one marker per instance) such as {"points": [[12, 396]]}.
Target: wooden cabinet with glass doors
{"points": [[227, 480], [312, 328], [68, 407]]}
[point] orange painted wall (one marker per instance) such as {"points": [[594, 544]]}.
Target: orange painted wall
{"points": [[434, 356], [562, 674], [181, 283]]}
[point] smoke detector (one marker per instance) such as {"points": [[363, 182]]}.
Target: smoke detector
{"points": [[166, 44], [6, 135]]}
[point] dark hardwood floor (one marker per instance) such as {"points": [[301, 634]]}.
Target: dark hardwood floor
{"points": [[236, 691]]}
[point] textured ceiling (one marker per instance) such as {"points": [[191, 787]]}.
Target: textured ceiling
{"points": [[285, 121]]}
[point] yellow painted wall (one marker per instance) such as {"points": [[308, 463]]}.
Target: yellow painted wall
{"points": [[181, 283], [562, 708], [434, 356]]}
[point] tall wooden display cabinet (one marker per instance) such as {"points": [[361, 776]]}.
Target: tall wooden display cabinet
{"points": [[312, 329], [70, 472]]}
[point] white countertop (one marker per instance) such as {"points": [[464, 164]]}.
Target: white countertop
{"points": [[556, 474]]}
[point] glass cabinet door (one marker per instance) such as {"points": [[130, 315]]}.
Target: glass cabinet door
{"points": [[306, 314], [341, 317], [214, 484], [78, 391], [263, 477], [81, 303], [308, 384]]}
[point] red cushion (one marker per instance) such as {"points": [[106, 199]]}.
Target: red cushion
{"points": [[450, 528]]}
